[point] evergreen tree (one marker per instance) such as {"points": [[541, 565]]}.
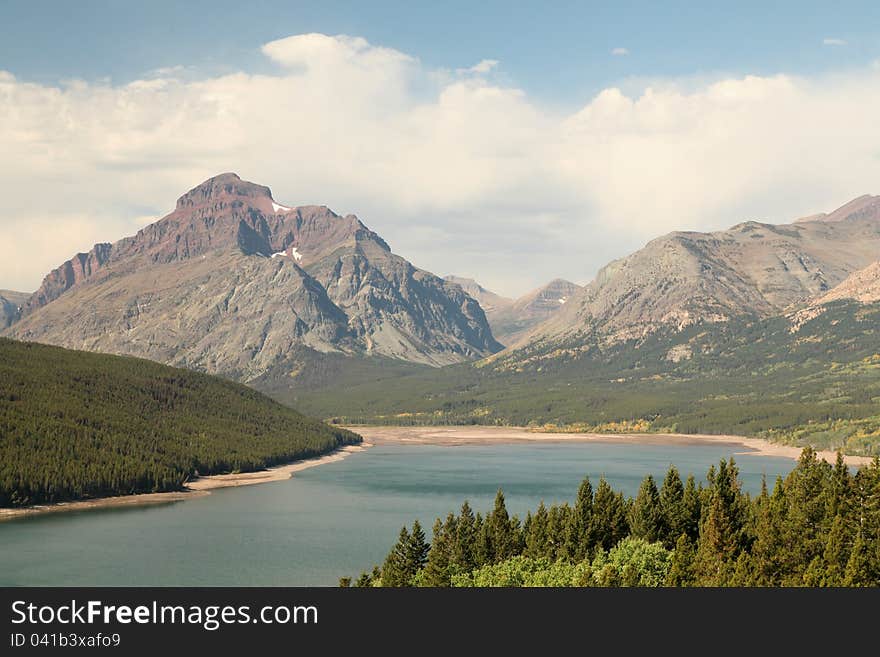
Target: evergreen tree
{"points": [[463, 556], [608, 523], [536, 538], [416, 552], [859, 567], [438, 569], [500, 532], [646, 514], [836, 553], [681, 568], [395, 569], [675, 517], [770, 546], [579, 540], [692, 509], [557, 525]]}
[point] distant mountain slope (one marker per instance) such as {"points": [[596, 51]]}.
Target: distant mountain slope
{"points": [[685, 278], [232, 282], [511, 319], [79, 425], [862, 286], [488, 300], [511, 323], [10, 305]]}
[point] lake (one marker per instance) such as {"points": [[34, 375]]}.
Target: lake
{"points": [[333, 520]]}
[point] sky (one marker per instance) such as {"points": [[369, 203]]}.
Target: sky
{"points": [[510, 142]]}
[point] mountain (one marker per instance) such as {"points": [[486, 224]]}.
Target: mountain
{"points": [[511, 323], [79, 425], [511, 319], [862, 286], [489, 301], [10, 306], [233, 283], [865, 206], [752, 270]]}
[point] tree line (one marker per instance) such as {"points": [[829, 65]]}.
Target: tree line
{"points": [[77, 425], [819, 526]]}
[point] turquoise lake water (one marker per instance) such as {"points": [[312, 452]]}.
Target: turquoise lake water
{"points": [[329, 521]]}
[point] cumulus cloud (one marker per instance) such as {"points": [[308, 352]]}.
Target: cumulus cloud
{"points": [[619, 52], [833, 42], [459, 173]]}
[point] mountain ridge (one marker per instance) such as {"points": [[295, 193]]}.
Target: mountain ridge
{"points": [[230, 281]]}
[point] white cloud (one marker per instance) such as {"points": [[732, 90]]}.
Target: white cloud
{"points": [[458, 173], [482, 67], [619, 52], [833, 42]]}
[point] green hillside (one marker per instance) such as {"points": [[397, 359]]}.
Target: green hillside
{"points": [[818, 386], [76, 425]]}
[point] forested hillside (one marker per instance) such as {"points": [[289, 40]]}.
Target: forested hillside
{"points": [[820, 526], [818, 385], [75, 425]]}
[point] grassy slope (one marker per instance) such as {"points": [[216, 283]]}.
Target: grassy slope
{"points": [[819, 386], [76, 424]]}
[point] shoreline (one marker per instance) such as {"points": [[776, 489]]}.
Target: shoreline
{"points": [[446, 436], [196, 488], [488, 435]]}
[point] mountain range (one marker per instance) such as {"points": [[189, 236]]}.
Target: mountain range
{"points": [[759, 323], [751, 271]]}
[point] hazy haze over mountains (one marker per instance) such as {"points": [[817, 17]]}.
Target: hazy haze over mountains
{"points": [[511, 319]]}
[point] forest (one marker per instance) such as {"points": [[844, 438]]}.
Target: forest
{"points": [[749, 378], [817, 527], [78, 425]]}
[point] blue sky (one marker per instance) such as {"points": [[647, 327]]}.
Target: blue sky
{"points": [[559, 51], [500, 140]]}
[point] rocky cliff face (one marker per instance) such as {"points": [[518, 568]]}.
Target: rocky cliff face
{"points": [[232, 282], [685, 278], [10, 306]]}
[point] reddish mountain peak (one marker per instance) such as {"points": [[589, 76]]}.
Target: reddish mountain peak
{"points": [[226, 186]]}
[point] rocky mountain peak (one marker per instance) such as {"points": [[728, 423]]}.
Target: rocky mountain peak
{"points": [[226, 186]]}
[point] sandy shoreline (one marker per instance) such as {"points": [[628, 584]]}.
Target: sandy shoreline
{"points": [[196, 488], [479, 435], [443, 436]]}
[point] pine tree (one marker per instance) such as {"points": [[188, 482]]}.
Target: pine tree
{"points": [[579, 540], [718, 546], [536, 538], [465, 540], [681, 568], [646, 514], [675, 520], [692, 509], [770, 548], [417, 549], [394, 570], [438, 569], [500, 534], [858, 568], [608, 523], [836, 553], [557, 524]]}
